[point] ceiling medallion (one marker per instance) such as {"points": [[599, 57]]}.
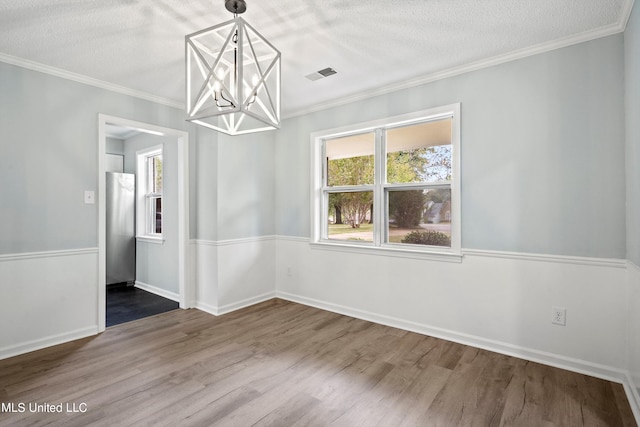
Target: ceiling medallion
{"points": [[233, 77]]}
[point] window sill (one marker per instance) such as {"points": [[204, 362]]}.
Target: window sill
{"points": [[432, 255], [149, 239]]}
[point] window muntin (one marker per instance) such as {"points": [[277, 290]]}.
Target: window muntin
{"points": [[415, 163]]}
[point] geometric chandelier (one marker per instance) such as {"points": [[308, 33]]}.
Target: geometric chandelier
{"points": [[233, 77]]}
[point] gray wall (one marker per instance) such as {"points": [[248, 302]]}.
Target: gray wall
{"points": [[542, 145], [157, 264], [114, 146], [235, 185], [632, 128], [206, 184], [49, 156], [246, 189], [542, 151]]}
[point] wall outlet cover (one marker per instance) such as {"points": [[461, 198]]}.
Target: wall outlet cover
{"points": [[89, 197], [559, 316]]}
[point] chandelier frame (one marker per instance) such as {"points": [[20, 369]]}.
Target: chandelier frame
{"points": [[219, 94]]}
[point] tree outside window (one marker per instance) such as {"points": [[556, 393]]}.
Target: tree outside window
{"points": [[393, 185]]}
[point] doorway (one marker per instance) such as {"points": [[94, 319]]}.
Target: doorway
{"points": [[160, 257]]}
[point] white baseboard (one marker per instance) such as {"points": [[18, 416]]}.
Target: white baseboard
{"points": [[207, 308], [158, 291], [633, 376], [575, 365], [228, 308], [39, 344], [233, 274], [633, 395], [596, 370]]}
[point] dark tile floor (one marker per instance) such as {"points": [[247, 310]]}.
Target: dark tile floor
{"points": [[127, 303]]}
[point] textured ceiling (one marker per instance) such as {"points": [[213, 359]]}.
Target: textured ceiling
{"points": [[374, 45]]}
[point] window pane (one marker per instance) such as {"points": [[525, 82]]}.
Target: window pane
{"points": [[157, 174], [349, 216], [155, 214], [419, 153], [158, 216], [350, 160], [420, 217]]}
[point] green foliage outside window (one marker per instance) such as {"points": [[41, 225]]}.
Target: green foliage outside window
{"points": [[407, 207], [427, 237]]}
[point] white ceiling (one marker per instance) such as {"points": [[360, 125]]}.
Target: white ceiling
{"points": [[120, 132], [137, 46]]}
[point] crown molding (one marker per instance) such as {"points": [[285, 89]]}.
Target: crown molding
{"points": [[80, 78], [618, 27], [627, 8], [586, 36]]}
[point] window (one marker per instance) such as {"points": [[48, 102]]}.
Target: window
{"points": [[391, 184], [149, 187]]}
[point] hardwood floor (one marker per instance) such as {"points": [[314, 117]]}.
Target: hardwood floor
{"points": [[284, 364]]}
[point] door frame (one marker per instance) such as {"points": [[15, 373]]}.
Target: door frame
{"points": [[185, 286]]}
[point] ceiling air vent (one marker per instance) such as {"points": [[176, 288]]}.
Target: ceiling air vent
{"points": [[325, 72]]}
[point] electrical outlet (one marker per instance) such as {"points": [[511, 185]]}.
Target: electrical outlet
{"points": [[559, 316], [289, 272]]}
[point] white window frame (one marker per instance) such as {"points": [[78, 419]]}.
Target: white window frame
{"points": [[145, 219], [319, 189]]}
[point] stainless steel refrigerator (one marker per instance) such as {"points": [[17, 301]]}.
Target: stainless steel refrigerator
{"points": [[120, 241]]}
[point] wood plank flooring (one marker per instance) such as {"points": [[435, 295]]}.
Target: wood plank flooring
{"points": [[284, 364]]}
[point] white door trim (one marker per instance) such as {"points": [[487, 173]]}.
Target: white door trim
{"points": [[186, 288]]}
